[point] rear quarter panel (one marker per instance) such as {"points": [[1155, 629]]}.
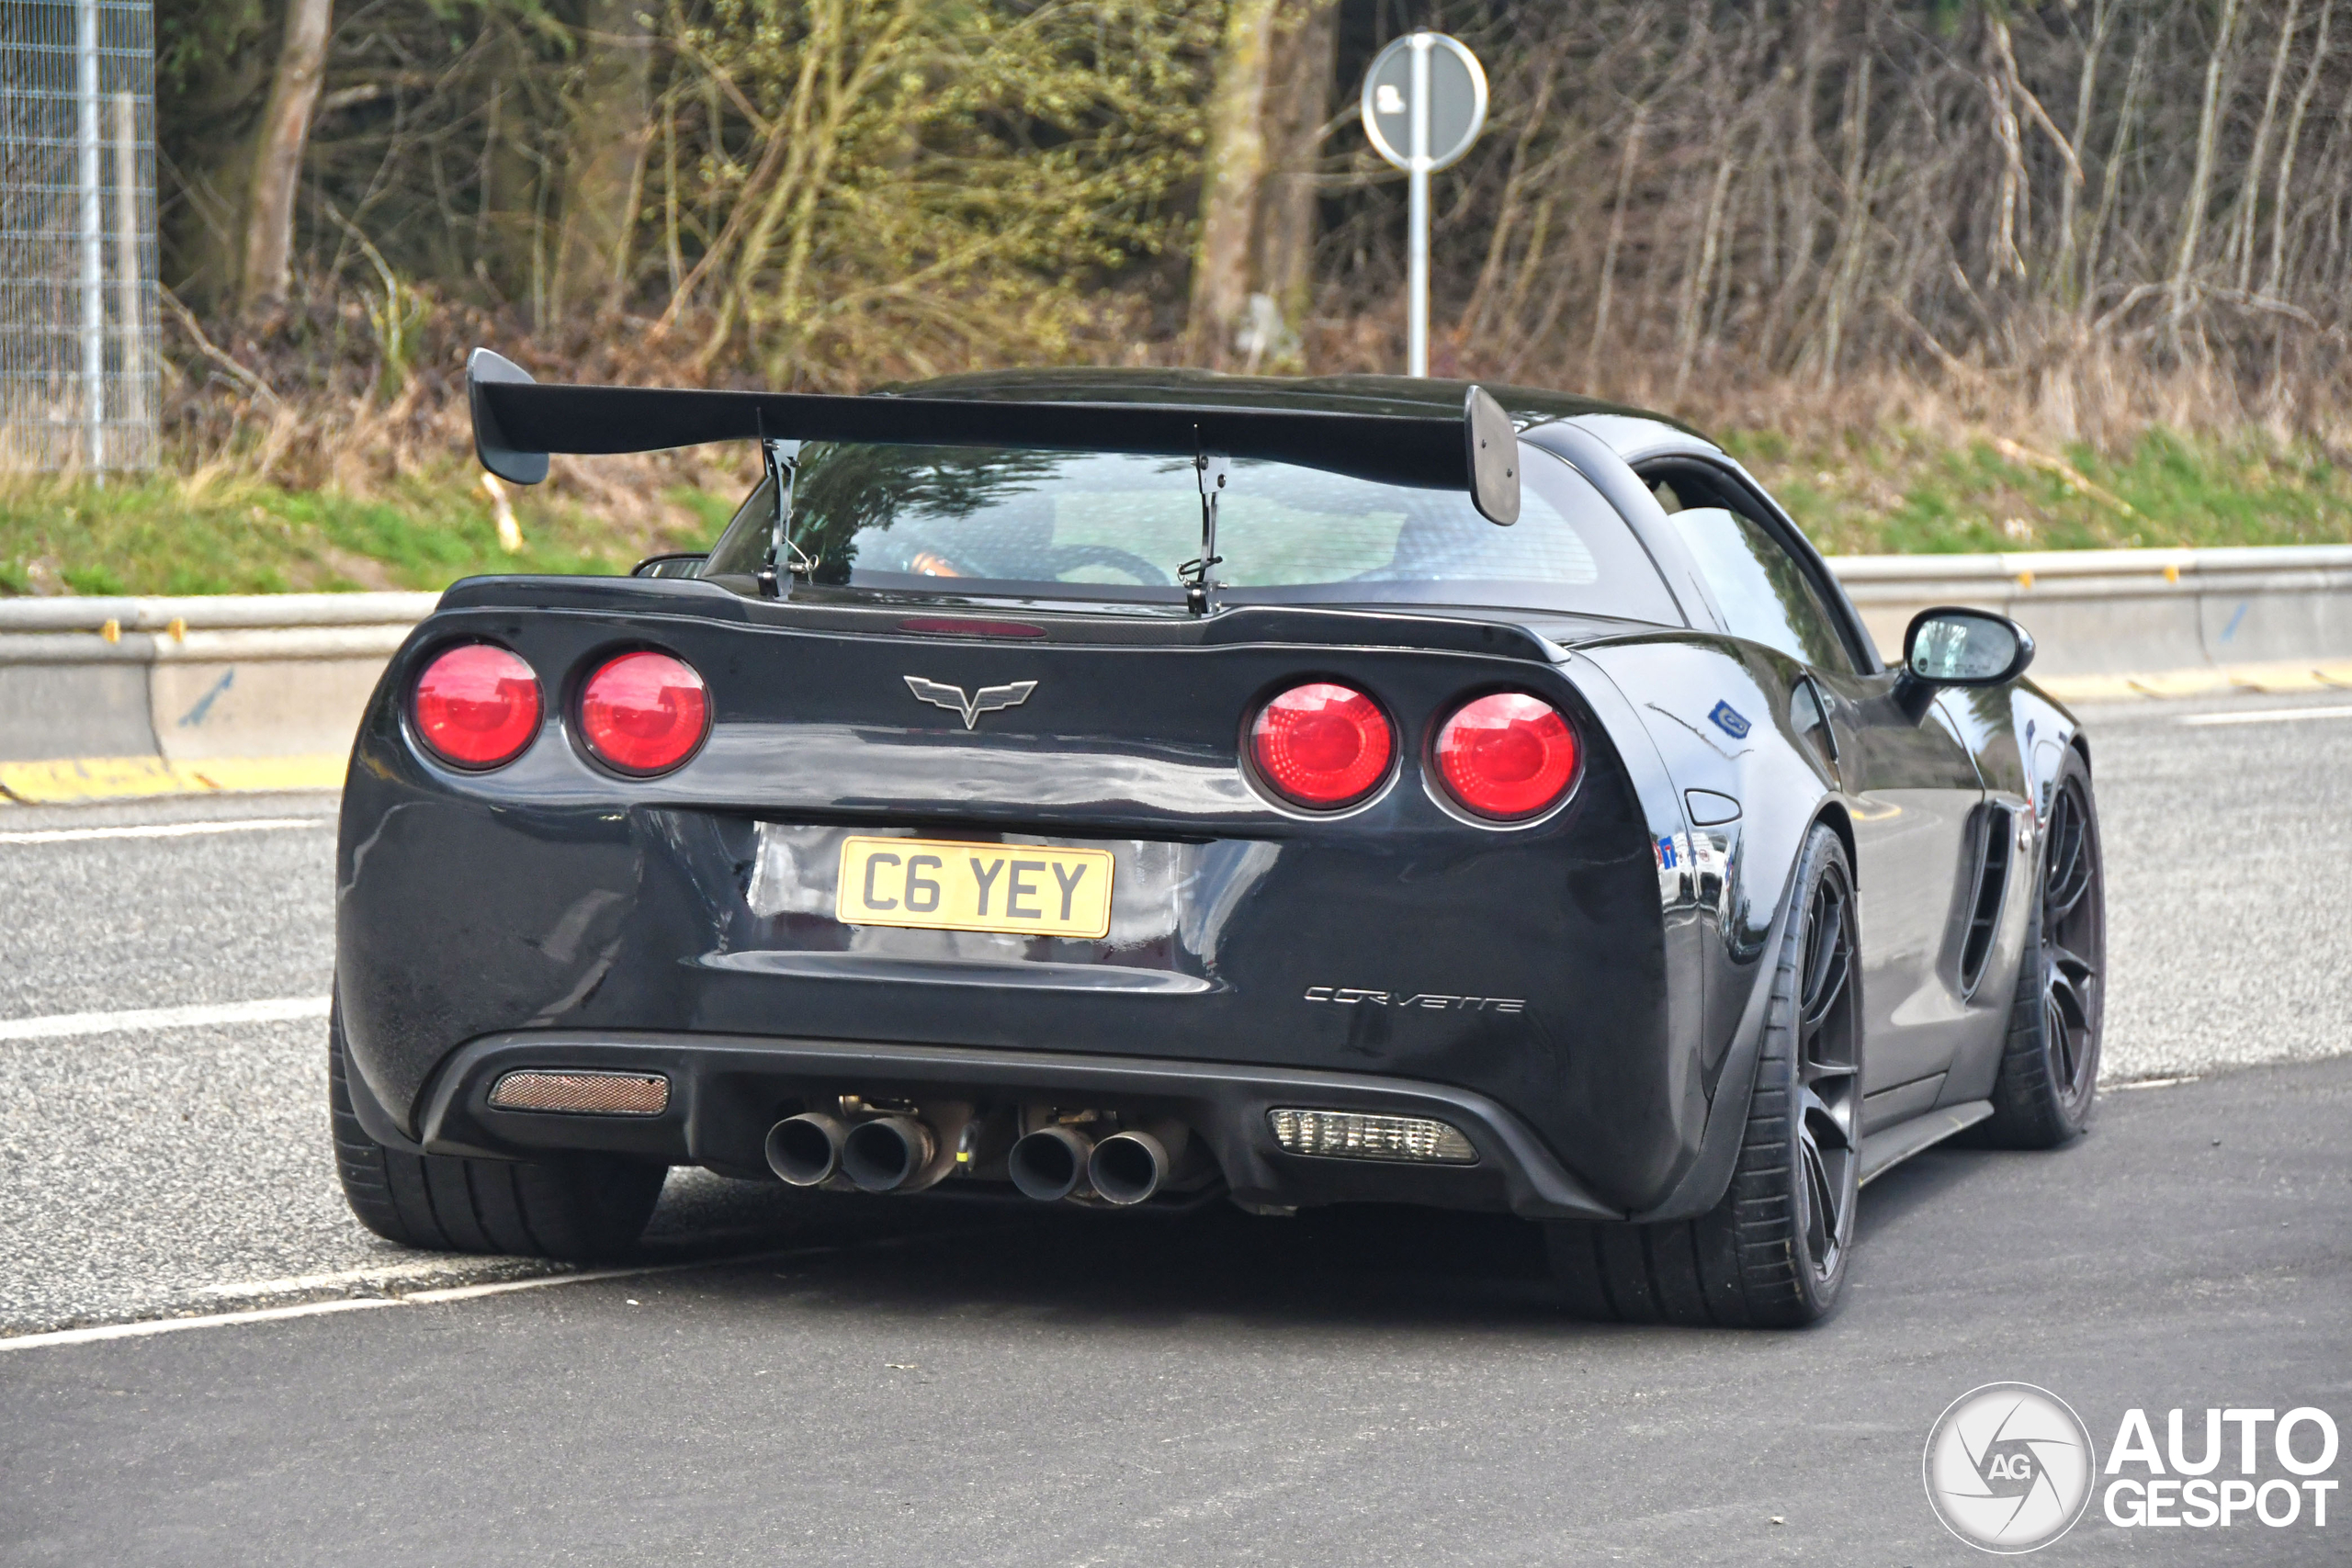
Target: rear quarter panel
{"points": [[1718, 710]]}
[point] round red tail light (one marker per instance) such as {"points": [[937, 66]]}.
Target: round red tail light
{"points": [[476, 706], [1507, 755], [1322, 745], [644, 713]]}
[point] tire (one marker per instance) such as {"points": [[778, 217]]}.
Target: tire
{"points": [[582, 1209], [1774, 1252], [2049, 1073]]}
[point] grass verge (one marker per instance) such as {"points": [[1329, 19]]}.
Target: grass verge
{"points": [[165, 536], [1897, 491], [1901, 492]]}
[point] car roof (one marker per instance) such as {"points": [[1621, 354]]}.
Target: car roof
{"points": [[1631, 430]]}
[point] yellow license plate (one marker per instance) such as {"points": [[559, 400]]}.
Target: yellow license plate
{"points": [[940, 885]]}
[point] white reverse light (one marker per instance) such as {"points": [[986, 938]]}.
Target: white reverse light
{"points": [[1352, 1134]]}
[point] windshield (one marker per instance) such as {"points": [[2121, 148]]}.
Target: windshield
{"points": [[1110, 526]]}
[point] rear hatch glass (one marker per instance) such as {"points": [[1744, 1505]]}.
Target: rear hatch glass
{"points": [[1115, 527]]}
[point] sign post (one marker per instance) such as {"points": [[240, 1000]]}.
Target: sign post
{"points": [[1424, 103]]}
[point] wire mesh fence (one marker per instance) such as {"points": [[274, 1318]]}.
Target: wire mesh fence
{"points": [[77, 235]]}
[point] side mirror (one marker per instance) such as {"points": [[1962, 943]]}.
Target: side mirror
{"points": [[685, 564], [1950, 646], [1966, 647]]}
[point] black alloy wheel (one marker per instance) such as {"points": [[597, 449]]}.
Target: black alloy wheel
{"points": [[1829, 1074], [1776, 1251], [2074, 945], [2049, 1073]]}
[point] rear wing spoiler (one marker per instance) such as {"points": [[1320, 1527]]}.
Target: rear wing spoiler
{"points": [[517, 423]]}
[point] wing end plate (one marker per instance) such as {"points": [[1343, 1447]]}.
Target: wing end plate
{"points": [[1493, 457], [484, 369]]}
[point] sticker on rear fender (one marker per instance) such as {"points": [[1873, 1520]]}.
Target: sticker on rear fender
{"points": [[938, 884]]}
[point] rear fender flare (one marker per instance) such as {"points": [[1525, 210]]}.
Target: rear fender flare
{"points": [[1662, 808], [1709, 1178]]}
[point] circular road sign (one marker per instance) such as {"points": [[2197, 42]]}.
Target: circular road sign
{"points": [[1457, 100]]}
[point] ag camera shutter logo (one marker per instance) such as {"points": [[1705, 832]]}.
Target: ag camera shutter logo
{"points": [[2008, 1467]]}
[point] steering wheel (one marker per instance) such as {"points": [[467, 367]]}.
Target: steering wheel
{"points": [[1069, 557]]}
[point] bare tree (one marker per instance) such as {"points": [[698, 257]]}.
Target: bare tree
{"points": [[610, 116], [2090, 213], [1236, 164], [2192, 215], [278, 156], [1304, 46]]}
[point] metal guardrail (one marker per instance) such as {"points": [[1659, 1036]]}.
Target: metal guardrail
{"points": [[2031, 568], [2043, 575], [2115, 612], [234, 628], [193, 689]]}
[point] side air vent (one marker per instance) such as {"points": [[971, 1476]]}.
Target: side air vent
{"points": [[1994, 840]]}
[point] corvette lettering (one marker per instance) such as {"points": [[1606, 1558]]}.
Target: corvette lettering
{"points": [[1432, 1001]]}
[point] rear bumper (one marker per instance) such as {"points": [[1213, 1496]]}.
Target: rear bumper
{"points": [[726, 1090]]}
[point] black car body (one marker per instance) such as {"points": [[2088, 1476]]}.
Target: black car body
{"points": [[1580, 995]]}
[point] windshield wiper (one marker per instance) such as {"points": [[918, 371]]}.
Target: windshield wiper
{"points": [[1212, 469]]}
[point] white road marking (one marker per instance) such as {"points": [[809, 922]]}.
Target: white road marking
{"points": [[163, 830], [63, 1336], [65, 1025], [174, 1324], [2270, 716], [383, 1274]]}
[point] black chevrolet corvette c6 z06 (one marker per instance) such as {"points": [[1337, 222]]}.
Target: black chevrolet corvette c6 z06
{"points": [[1141, 787]]}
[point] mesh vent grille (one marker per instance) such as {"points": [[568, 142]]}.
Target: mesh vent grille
{"points": [[582, 1092]]}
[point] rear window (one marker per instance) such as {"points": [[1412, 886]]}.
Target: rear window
{"points": [[1115, 527]]}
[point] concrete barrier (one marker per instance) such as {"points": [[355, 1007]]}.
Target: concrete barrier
{"points": [[2126, 623], [117, 696]]}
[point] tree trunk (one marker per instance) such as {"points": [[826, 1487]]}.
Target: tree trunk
{"points": [[1236, 166], [278, 156], [2286, 151], [2192, 213], [2249, 203], [604, 173], [1305, 48]]}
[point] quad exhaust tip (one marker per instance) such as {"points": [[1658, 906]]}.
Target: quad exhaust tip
{"points": [[1050, 1164], [903, 1154], [1127, 1167], [806, 1150], [884, 1154]]}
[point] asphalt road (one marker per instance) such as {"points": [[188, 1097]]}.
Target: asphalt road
{"points": [[939, 1383]]}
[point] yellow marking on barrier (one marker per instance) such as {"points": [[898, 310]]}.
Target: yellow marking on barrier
{"points": [[321, 771], [2090, 688], [65, 780], [2172, 574], [87, 778], [2276, 678], [2182, 682], [110, 630], [2286, 676], [2025, 579]]}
